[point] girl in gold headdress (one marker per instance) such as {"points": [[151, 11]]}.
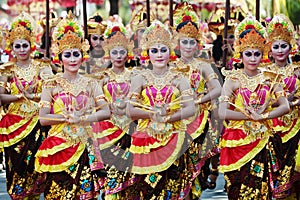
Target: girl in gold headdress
{"points": [[69, 103], [161, 100], [250, 151], [21, 134], [204, 82], [281, 36]]}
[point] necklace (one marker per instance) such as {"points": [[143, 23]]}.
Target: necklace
{"points": [[123, 77], [75, 87], [27, 73]]}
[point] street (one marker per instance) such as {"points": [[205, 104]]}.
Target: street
{"points": [[217, 193]]}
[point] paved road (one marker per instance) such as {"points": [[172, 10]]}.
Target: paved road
{"points": [[206, 195]]}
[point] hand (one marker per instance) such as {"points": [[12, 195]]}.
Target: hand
{"points": [[264, 106], [73, 119]]}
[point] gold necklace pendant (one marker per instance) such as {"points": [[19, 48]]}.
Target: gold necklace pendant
{"points": [[27, 73], [74, 88]]}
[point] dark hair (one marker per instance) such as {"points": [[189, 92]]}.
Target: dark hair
{"points": [[97, 18], [217, 51], [182, 24], [245, 32]]}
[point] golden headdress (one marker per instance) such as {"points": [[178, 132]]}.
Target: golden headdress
{"points": [[139, 19], [68, 34], [117, 38], [22, 27], [250, 33], [281, 28], [53, 20], [157, 33], [184, 15], [96, 27]]}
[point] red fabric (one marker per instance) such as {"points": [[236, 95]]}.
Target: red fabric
{"points": [[157, 156], [51, 142], [101, 126], [4, 137], [232, 155], [277, 122], [9, 119], [59, 157], [142, 139], [192, 127], [282, 134], [110, 137]]}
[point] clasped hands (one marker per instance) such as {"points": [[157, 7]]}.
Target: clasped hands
{"points": [[256, 115], [159, 113]]}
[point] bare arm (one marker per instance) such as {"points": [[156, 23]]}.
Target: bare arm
{"points": [[227, 93], [134, 93], [213, 84]]}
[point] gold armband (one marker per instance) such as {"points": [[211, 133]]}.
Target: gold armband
{"points": [[83, 118], [224, 99], [37, 96], [167, 118], [212, 76], [44, 104], [99, 98], [134, 95], [188, 92], [280, 94], [2, 84]]}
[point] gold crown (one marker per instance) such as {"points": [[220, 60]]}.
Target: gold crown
{"points": [[157, 34], [189, 30], [68, 34], [251, 40], [23, 27], [139, 19], [53, 20], [117, 40], [96, 28], [281, 28]]}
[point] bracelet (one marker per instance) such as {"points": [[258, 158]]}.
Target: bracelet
{"points": [[265, 115], [83, 118], [294, 103], [19, 96], [134, 95], [224, 99], [99, 98], [167, 118], [280, 94], [2, 84], [212, 76], [37, 96], [44, 104], [188, 92]]}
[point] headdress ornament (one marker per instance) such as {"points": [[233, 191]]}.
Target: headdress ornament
{"points": [[157, 33], [68, 34], [281, 28], [139, 19], [186, 13], [53, 20], [250, 33], [116, 37], [22, 27], [95, 27]]}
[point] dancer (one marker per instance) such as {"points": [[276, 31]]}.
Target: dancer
{"points": [[204, 81], [250, 151], [69, 103], [20, 132], [280, 35]]}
